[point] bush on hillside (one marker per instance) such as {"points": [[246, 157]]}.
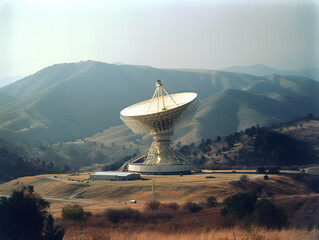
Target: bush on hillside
{"points": [[266, 214], [72, 212], [211, 202], [240, 205], [126, 214], [153, 205], [173, 206], [244, 178], [192, 207], [261, 170]]}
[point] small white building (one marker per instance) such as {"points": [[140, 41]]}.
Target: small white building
{"points": [[115, 176]]}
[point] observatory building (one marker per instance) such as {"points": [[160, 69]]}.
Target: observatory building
{"points": [[159, 116]]}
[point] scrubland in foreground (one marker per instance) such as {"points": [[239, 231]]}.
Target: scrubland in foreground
{"points": [[173, 221], [222, 234], [297, 194]]}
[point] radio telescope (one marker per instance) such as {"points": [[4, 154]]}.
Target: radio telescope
{"points": [[159, 116]]}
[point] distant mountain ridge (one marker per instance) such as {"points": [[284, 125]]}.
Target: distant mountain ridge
{"points": [[263, 70], [70, 101]]}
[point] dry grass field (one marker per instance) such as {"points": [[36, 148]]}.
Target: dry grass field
{"points": [[95, 196], [300, 201], [98, 195], [223, 234]]}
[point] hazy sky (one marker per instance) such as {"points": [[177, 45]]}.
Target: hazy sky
{"points": [[166, 34]]}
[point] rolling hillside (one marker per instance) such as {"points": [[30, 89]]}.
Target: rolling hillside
{"points": [[291, 143], [71, 101]]}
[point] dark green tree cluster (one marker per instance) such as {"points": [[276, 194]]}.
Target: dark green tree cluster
{"points": [[24, 216], [192, 207], [244, 206], [117, 164], [240, 205], [281, 148], [205, 145], [262, 146], [14, 166]]}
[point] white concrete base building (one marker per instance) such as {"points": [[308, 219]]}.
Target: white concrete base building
{"points": [[115, 176]]}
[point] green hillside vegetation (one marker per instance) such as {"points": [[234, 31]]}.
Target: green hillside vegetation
{"points": [[255, 146], [14, 166], [297, 144]]}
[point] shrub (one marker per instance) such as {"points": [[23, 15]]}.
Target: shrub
{"points": [[72, 212], [244, 178], [266, 214], [192, 207], [261, 170], [240, 205], [117, 215], [173, 206], [211, 202], [273, 170], [153, 205]]}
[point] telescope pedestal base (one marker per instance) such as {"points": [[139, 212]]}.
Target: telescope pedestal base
{"points": [[161, 169]]}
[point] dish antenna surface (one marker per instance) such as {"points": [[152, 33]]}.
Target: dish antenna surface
{"points": [[159, 116]]}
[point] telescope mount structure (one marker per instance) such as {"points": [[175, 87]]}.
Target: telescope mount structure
{"points": [[159, 116]]}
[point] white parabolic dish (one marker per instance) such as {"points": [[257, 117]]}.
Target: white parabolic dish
{"points": [[159, 114], [142, 108]]}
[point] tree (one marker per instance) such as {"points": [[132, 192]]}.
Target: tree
{"points": [[153, 205], [261, 170], [52, 232], [244, 178], [211, 202], [23, 216], [240, 205], [72, 212], [218, 139], [192, 207], [126, 214]]}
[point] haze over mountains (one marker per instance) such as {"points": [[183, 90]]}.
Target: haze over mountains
{"points": [[69, 101], [263, 70], [8, 80]]}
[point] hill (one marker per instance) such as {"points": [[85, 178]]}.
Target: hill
{"points": [[14, 166], [260, 146], [263, 70], [65, 102]]}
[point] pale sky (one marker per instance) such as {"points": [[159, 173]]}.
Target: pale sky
{"points": [[164, 33]]}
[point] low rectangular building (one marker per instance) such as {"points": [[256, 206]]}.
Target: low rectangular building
{"points": [[115, 176]]}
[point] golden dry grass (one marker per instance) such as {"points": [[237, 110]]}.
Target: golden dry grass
{"points": [[96, 196], [224, 234]]}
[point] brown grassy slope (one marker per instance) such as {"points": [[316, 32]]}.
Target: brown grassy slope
{"points": [[167, 188], [99, 195], [166, 223], [302, 211]]}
